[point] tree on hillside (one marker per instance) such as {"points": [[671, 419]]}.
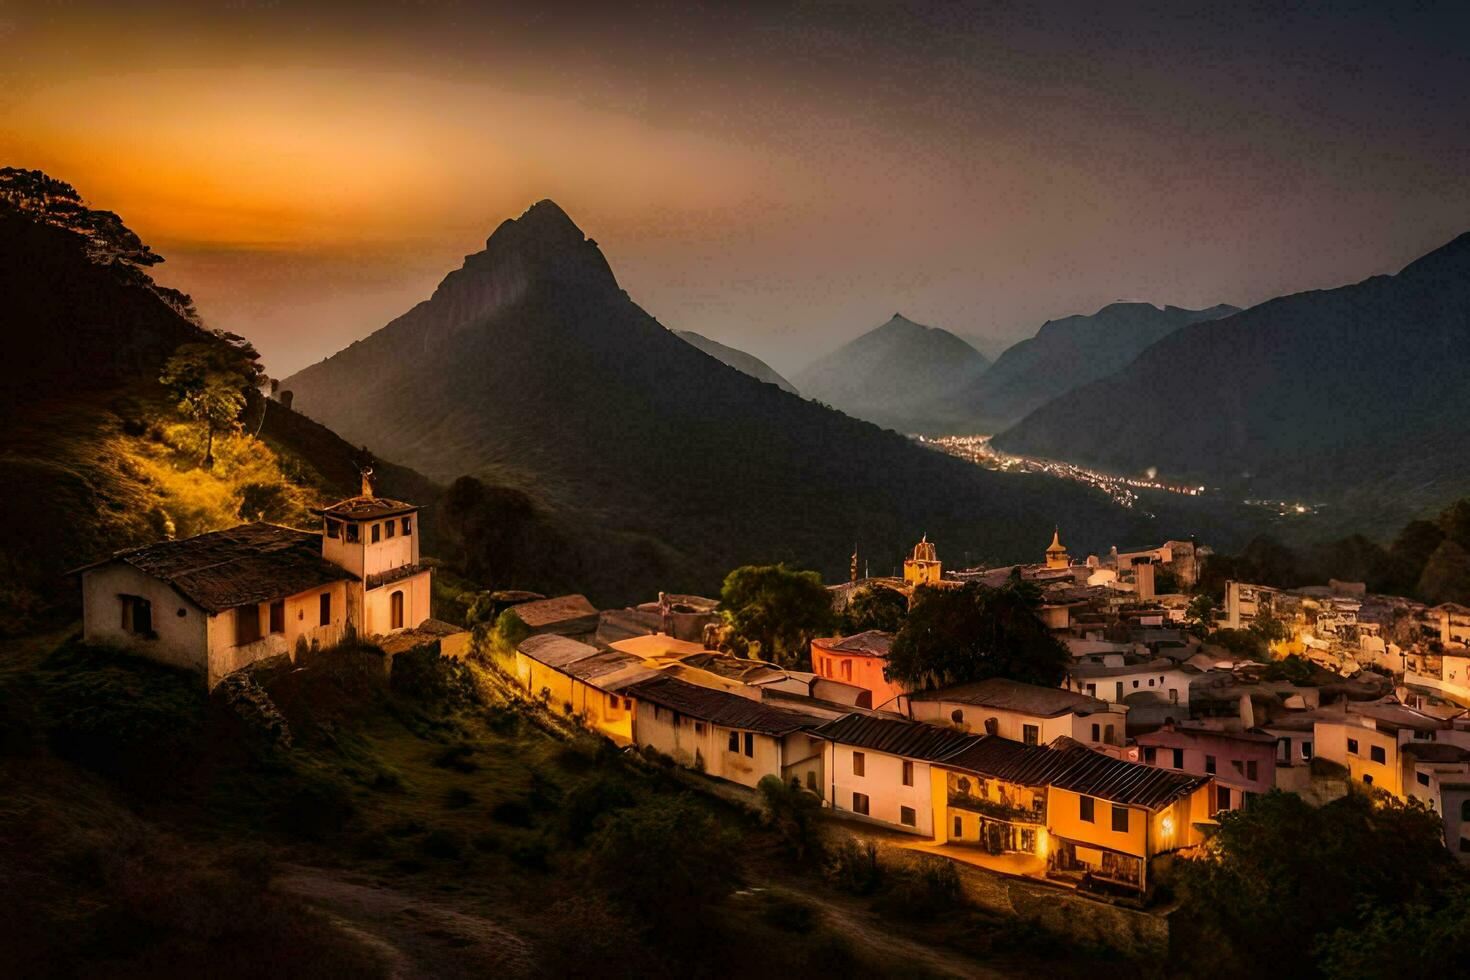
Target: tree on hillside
{"points": [[1446, 576], [774, 611], [875, 608], [209, 381], [1280, 875], [1200, 614], [971, 633]]}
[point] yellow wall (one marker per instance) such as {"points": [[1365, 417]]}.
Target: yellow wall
{"points": [[1330, 742], [614, 721], [1064, 820]]}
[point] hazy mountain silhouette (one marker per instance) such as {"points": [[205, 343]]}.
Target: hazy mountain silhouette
{"points": [[530, 368], [1066, 353], [894, 375], [1356, 393], [737, 359]]}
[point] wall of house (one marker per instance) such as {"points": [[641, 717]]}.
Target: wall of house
{"points": [[1064, 819], [1233, 759], [1331, 742], [804, 761], [882, 783], [1454, 799], [302, 624], [705, 747], [994, 791], [377, 612], [1009, 724], [180, 628], [862, 671], [1170, 683], [609, 713]]}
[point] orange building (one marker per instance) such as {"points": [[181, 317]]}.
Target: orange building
{"points": [[859, 660]]}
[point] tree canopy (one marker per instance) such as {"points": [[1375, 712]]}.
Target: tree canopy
{"points": [[971, 633], [1285, 889], [875, 608], [774, 612], [209, 382]]}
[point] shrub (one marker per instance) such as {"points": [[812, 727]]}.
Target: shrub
{"points": [[592, 798], [853, 866], [922, 886], [791, 812], [669, 860], [440, 683]]}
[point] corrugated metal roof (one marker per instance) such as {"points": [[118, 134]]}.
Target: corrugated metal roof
{"points": [[719, 707], [912, 740], [1094, 774], [555, 651], [545, 612]]}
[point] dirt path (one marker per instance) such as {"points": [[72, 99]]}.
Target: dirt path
{"points": [[414, 937]]}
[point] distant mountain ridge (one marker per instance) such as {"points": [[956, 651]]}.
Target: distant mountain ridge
{"points": [[529, 368], [1354, 393], [895, 374], [1063, 354], [737, 359]]}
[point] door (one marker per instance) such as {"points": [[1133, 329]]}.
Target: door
{"points": [[395, 611]]}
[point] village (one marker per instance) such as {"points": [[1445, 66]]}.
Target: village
{"points": [[1153, 733]]}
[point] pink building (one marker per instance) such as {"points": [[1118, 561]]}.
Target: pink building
{"points": [[858, 659], [1243, 763]]}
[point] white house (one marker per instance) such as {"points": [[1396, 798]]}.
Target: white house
{"points": [[1027, 713], [1162, 677], [879, 768], [219, 601]]}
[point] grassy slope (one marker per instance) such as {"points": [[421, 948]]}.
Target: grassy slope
{"points": [[401, 830]]}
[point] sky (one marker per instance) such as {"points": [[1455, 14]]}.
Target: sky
{"points": [[781, 177]]}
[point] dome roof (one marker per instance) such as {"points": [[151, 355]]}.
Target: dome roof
{"points": [[1056, 543], [924, 550]]}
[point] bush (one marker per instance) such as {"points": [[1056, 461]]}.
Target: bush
{"points": [[440, 683], [853, 866], [791, 812], [592, 798], [922, 886], [668, 860]]}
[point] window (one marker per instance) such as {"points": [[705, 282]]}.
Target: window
{"points": [[1238, 766], [1150, 682], [1367, 779], [907, 816], [1108, 735], [1306, 750], [957, 716], [1250, 769], [278, 616], [1135, 683], [698, 725], [388, 528], [1084, 808], [1120, 819], [811, 780], [847, 670], [1096, 732], [1210, 764], [395, 611], [1092, 690], [908, 773], [1376, 753], [1174, 695], [334, 529], [859, 764], [351, 533], [1030, 734], [1465, 811], [377, 533], [1465, 845], [408, 525], [1222, 797], [1178, 758], [734, 745], [1353, 746], [247, 625], [137, 615], [325, 603], [1422, 777], [750, 744], [1150, 754], [860, 803], [959, 830]]}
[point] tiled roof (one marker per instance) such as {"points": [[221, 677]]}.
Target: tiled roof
{"points": [[367, 508], [912, 740], [1008, 695], [545, 612], [244, 565], [1014, 762], [871, 643], [607, 670], [719, 707]]}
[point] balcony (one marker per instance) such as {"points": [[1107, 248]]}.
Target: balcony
{"points": [[996, 810]]}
